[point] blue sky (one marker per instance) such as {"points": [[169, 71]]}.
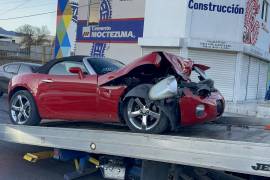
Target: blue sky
{"points": [[15, 8]]}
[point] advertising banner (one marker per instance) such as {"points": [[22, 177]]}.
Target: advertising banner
{"points": [[107, 24], [112, 31]]}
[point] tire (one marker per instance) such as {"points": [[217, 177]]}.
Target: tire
{"points": [[23, 109], [1, 93], [138, 110]]}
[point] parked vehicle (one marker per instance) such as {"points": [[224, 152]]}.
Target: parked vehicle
{"points": [[150, 95], [10, 70]]}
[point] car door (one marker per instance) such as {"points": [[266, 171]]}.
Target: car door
{"points": [[63, 95], [9, 71]]}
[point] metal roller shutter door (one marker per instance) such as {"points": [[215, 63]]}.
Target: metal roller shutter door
{"points": [[262, 80], [253, 79], [244, 78], [222, 69]]}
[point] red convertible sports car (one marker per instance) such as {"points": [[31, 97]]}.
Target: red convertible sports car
{"points": [[153, 94]]}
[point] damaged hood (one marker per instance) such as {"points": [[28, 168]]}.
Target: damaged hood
{"points": [[183, 67]]}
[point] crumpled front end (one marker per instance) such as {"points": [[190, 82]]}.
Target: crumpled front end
{"points": [[196, 102], [195, 109]]}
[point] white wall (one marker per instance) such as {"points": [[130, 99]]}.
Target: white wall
{"points": [[241, 77], [17, 39], [177, 23], [206, 24], [125, 53], [168, 21], [263, 41], [164, 20], [83, 10], [214, 25], [128, 9]]}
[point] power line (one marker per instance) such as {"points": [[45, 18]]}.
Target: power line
{"points": [[42, 5], [27, 16], [11, 2], [8, 3], [31, 5], [39, 14], [14, 8]]}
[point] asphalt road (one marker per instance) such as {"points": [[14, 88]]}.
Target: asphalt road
{"points": [[4, 110], [13, 167]]}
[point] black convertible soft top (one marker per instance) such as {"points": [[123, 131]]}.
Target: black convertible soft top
{"points": [[46, 67]]}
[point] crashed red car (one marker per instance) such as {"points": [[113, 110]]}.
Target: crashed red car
{"points": [[153, 94]]}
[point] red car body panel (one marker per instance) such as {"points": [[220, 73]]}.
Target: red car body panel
{"points": [[67, 97], [108, 102], [188, 104], [181, 66], [201, 66], [89, 99], [72, 98], [26, 81]]}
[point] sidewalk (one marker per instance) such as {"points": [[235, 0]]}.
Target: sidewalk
{"points": [[260, 109]]}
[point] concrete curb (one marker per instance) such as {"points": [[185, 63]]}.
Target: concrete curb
{"points": [[254, 109]]}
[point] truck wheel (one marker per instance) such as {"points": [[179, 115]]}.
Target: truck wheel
{"points": [[144, 117], [23, 110]]}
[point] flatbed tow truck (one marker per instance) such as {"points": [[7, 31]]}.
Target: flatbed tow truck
{"points": [[209, 151]]}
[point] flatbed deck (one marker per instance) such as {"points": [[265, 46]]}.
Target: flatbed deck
{"points": [[215, 146]]}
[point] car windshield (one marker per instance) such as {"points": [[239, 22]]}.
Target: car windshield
{"points": [[35, 67], [198, 75], [105, 65]]}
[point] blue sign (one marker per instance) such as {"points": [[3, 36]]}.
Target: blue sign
{"points": [[112, 31], [98, 49], [231, 9], [75, 8]]}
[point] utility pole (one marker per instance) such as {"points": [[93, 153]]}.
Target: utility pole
{"points": [[43, 54]]}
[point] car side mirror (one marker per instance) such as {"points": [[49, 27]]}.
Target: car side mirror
{"points": [[77, 70]]}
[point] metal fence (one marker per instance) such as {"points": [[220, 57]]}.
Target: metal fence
{"points": [[11, 52]]}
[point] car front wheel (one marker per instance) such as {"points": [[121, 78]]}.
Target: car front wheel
{"points": [[144, 116], [23, 110]]}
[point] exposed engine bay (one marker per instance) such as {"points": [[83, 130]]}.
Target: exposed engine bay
{"points": [[165, 75]]}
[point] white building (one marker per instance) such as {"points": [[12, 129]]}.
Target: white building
{"points": [[10, 36], [232, 36]]}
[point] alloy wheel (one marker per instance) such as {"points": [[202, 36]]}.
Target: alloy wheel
{"points": [[144, 115], [20, 109]]}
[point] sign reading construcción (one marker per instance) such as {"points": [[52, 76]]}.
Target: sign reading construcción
{"points": [[231, 9], [112, 31]]}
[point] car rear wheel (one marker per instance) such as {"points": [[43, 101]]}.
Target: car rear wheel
{"points": [[144, 116], [23, 110]]}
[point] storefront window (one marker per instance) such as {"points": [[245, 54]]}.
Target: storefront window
{"points": [[94, 12]]}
